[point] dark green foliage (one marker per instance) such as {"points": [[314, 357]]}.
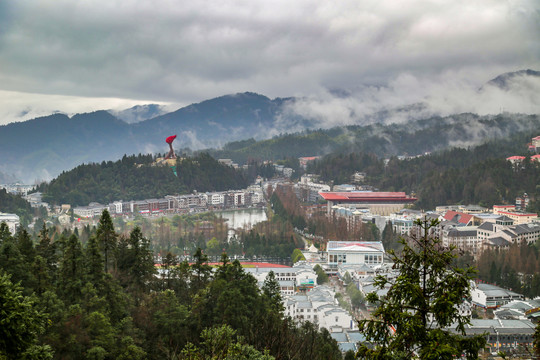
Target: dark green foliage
{"points": [[131, 312], [309, 143], [20, 324], [5, 234], [412, 138], [136, 264], [271, 293], [137, 177], [278, 245], [413, 318], [15, 204], [107, 239], [322, 278], [338, 168], [297, 256], [204, 173], [12, 261], [222, 343], [71, 271]]}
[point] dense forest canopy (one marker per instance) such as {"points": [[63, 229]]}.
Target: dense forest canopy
{"points": [[15, 204], [385, 140], [479, 175], [138, 177], [105, 299]]}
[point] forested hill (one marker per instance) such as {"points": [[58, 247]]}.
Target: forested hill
{"points": [[137, 178], [412, 138], [10, 203], [478, 175]]}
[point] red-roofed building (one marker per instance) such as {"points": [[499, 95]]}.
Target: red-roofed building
{"points": [[304, 160], [382, 203], [462, 218], [515, 159], [519, 217], [535, 158]]}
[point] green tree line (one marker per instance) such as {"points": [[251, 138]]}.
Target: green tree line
{"points": [[107, 300], [479, 175], [138, 177]]}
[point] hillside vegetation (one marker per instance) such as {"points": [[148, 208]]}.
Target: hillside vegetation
{"points": [[135, 178], [409, 138], [478, 175]]}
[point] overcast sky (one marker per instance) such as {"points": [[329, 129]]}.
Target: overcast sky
{"points": [[75, 56]]}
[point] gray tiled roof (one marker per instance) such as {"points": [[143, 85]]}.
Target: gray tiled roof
{"points": [[486, 226], [499, 241], [339, 336], [461, 233]]}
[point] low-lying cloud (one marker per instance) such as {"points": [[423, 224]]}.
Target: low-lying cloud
{"points": [[411, 97], [184, 52]]}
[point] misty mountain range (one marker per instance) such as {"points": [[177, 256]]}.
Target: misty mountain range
{"points": [[41, 148]]}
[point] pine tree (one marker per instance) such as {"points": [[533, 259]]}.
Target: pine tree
{"points": [[414, 319], [71, 271], [201, 271], [21, 324], [25, 245], [93, 262], [107, 237], [46, 249], [142, 269], [5, 234], [271, 292]]}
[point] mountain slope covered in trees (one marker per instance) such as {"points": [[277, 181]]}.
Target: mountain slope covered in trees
{"points": [[44, 147], [410, 138], [478, 175], [137, 178]]}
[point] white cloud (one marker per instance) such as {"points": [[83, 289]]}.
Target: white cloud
{"points": [[188, 51]]}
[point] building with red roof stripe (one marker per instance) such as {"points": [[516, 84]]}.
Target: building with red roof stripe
{"points": [[382, 203]]}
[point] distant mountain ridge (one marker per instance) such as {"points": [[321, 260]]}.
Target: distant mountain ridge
{"points": [[504, 81], [42, 148], [139, 113]]}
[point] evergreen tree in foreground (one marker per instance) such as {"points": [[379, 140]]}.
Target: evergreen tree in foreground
{"points": [[20, 324], [419, 318]]}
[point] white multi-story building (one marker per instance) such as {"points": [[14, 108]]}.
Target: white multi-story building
{"points": [[216, 198], [370, 253], [320, 307], [18, 189], [93, 209], [462, 237], [491, 296], [116, 207], [502, 232], [290, 279], [11, 220]]}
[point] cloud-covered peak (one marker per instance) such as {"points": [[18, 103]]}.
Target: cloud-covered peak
{"points": [[185, 52]]}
